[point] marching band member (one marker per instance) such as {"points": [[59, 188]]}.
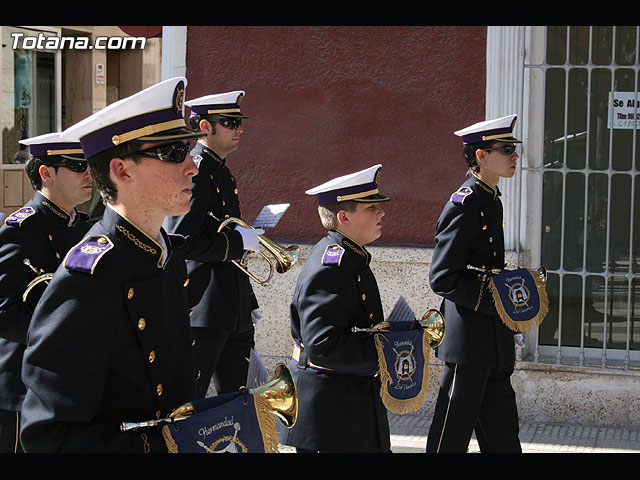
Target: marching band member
{"points": [[219, 293], [340, 408], [478, 349], [110, 339], [40, 233]]}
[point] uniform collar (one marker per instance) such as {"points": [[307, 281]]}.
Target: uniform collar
{"points": [[482, 186], [138, 241], [350, 246], [202, 148], [53, 211]]}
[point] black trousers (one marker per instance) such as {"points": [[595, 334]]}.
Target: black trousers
{"points": [[221, 356], [480, 399], [9, 429]]}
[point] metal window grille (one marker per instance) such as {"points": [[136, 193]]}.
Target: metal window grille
{"points": [[590, 196]]}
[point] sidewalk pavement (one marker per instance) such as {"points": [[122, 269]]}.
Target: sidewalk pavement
{"points": [[409, 435]]}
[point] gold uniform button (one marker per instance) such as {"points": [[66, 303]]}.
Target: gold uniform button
{"points": [[370, 316], [159, 389], [364, 296], [50, 237], [193, 342], [198, 375], [211, 177], [102, 240], [142, 323], [186, 282], [224, 203], [152, 356], [359, 278], [484, 227], [235, 190], [158, 414], [217, 188], [57, 255], [130, 294], [490, 239]]}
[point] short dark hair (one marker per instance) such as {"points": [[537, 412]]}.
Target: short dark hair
{"points": [[32, 169], [329, 212], [99, 165], [469, 153], [194, 122]]}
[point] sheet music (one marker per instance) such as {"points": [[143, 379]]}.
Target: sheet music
{"points": [[401, 312], [270, 215]]}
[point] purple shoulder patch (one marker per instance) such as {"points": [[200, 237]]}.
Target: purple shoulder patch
{"points": [[332, 255], [85, 255], [459, 197], [17, 217]]}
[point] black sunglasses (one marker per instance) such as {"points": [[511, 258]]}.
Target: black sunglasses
{"points": [[77, 166], [172, 153], [230, 123], [507, 149]]}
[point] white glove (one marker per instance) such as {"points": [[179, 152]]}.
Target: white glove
{"points": [[519, 339], [255, 317], [250, 237]]}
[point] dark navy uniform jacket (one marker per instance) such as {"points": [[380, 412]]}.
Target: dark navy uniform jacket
{"points": [[109, 342], [340, 408], [42, 233], [219, 292], [469, 232]]}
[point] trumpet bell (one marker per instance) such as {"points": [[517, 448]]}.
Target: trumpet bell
{"points": [[433, 324], [35, 289], [285, 258], [281, 395]]}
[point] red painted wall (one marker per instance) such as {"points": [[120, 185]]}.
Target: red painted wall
{"points": [[325, 101]]}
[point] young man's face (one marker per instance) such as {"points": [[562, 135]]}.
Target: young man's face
{"points": [[223, 135], [496, 164], [70, 188], [166, 186], [365, 224]]}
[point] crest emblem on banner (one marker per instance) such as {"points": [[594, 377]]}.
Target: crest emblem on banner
{"points": [[520, 297]]}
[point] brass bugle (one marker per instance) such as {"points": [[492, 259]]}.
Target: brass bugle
{"points": [[285, 257], [279, 392], [31, 294], [432, 322]]}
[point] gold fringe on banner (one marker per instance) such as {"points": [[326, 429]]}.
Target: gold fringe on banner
{"points": [[267, 424], [519, 327], [396, 405], [172, 446]]}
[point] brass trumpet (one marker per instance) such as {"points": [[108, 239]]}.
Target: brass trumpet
{"points": [[285, 257], [36, 287], [279, 392], [432, 322]]}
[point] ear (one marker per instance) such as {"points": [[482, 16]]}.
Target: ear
{"points": [[119, 169], [343, 217], [205, 126], [481, 156], [45, 175]]}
